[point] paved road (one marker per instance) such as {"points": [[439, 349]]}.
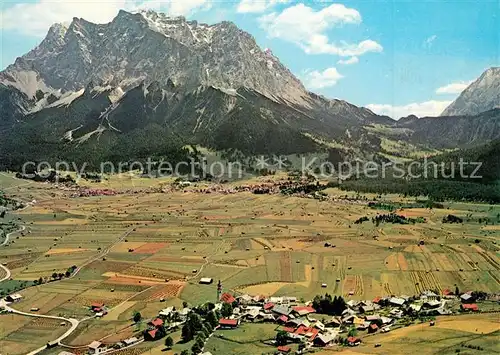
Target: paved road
{"points": [[74, 323], [7, 237]]}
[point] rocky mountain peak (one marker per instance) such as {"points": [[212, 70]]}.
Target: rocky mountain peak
{"points": [[482, 95], [150, 46]]}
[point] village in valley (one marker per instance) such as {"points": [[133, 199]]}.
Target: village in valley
{"points": [[301, 327], [278, 265]]}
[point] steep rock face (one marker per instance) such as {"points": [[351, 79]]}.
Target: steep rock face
{"points": [[482, 95], [147, 46]]}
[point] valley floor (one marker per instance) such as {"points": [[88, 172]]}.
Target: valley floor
{"points": [[146, 251]]}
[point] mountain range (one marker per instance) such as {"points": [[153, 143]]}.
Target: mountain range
{"points": [[147, 84]]}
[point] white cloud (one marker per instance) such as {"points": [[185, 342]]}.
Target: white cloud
{"points": [[420, 109], [319, 80], [430, 40], [184, 7], [350, 61], [307, 28], [35, 18], [257, 6], [453, 88]]}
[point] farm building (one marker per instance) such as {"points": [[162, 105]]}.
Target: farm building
{"points": [[284, 349], [367, 308], [352, 319], [348, 312], [206, 281], [324, 339], [353, 341], [428, 295], [302, 311], [318, 324], [14, 298], [466, 298], [268, 306], [386, 320], [297, 323], [97, 306], [153, 334], [166, 312], [225, 323], [308, 332], [283, 319], [396, 301], [130, 341], [432, 304], [157, 322], [282, 310], [416, 307], [396, 313], [96, 348], [245, 299], [363, 326], [283, 300], [334, 322], [184, 313], [472, 307], [227, 298], [373, 318]]}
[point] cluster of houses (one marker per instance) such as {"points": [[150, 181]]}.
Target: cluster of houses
{"points": [[302, 326], [300, 322]]}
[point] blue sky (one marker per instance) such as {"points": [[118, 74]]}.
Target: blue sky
{"points": [[395, 57]]}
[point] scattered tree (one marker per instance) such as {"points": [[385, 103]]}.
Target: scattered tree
{"points": [[212, 319], [137, 317], [226, 310], [169, 342], [281, 338]]}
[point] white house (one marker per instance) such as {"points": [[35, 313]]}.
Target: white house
{"points": [[96, 348]]}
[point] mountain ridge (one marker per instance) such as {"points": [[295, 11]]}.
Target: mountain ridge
{"points": [[88, 88], [480, 96]]}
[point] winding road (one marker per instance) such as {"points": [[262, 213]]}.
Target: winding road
{"points": [[74, 322], [7, 237]]}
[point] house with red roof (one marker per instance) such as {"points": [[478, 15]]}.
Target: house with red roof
{"points": [[447, 292], [377, 300], [97, 306], [227, 298], [283, 319], [469, 307], [268, 306], [307, 332], [151, 334], [155, 331], [353, 341], [372, 328], [225, 323], [288, 329], [303, 310], [284, 349], [157, 322]]}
